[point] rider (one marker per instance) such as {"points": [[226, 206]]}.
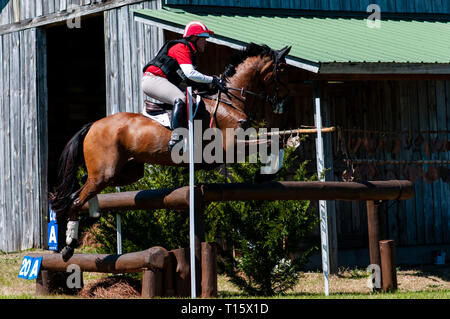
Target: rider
{"points": [[172, 68]]}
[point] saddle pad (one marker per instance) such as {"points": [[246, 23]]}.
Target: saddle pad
{"points": [[162, 118]]}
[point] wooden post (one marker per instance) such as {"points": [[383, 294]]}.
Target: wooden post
{"points": [[209, 270], [388, 271], [151, 283], [182, 277], [169, 276], [51, 281], [43, 283], [373, 221]]}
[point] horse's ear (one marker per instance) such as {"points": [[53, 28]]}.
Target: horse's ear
{"points": [[281, 54]]}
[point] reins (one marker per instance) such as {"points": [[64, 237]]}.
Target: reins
{"points": [[263, 96]]}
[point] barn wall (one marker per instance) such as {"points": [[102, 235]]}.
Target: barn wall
{"points": [[20, 196], [406, 111], [386, 111], [129, 45], [23, 109], [394, 6], [15, 10]]}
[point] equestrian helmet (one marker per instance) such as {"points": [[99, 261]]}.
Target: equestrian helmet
{"points": [[196, 28]]}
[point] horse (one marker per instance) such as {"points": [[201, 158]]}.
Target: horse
{"points": [[114, 149]]}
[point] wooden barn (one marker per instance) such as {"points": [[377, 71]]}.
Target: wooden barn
{"points": [[63, 64], [385, 87]]}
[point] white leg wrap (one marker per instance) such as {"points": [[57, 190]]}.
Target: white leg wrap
{"points": [[72, 231], [93, 207]]}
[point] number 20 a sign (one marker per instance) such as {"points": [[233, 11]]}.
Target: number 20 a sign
{"points": [[30, 267]]}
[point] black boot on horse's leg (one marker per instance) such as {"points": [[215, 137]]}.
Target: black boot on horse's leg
{"points": [[179, 119]]}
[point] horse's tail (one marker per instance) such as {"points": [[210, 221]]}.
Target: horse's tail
{"points": [[71, 158]]}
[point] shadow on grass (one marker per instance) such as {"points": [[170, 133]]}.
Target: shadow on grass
{"points": [[427, 271]]}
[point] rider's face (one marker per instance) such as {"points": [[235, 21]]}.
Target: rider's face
{"points": [[201, 44]]}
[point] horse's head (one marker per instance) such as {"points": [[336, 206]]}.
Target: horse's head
{"points": [[274, 79], [260, 72]]}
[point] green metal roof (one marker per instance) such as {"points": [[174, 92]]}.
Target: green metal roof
{"points": [[318, 40]]}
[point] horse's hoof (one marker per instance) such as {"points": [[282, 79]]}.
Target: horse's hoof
{"points": [[67, 253]]}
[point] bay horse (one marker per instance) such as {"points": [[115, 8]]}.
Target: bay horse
{"points": [[115, 148]]}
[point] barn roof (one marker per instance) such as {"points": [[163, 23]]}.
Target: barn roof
{"points": [[323, 44]]}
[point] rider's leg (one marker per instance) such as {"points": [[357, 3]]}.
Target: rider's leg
{"points": [[161, 89], [179, 119]]}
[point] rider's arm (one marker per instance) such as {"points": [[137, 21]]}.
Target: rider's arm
{"points": [[193, 75]]}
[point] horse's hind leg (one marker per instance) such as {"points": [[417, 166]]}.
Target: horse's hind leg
{"points": [[92, 187], [98, 179]]}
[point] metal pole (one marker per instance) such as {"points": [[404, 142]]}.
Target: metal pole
{"points": [[322, 203], [119, 230], [119, 234], [191, 195]]}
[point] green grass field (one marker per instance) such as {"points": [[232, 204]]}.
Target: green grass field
{"points": [[425, 282]]}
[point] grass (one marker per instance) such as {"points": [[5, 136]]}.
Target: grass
{"points": [[424, 282]]}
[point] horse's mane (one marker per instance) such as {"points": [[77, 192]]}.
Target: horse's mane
{"points": [[251, 50]]}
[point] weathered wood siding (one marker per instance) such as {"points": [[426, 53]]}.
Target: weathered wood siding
{"points": [[129, 45], [394, 6], [20, 195], [23, 109], [415, 108], [19, 10], [411, 109]]}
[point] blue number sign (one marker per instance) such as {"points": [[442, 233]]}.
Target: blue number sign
{"points": [[29, 269], [52, 231]]}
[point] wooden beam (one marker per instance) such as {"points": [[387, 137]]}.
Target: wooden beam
{"points": [[62, 16], [383, 68], [152, 258], [379, 77], [178, 198]]}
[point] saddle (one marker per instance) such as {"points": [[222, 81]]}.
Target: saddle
{"points": [[159, 112], [162, 112], [151, 107]]}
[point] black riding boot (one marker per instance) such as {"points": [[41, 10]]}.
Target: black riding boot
{"points": [[179, 119]]}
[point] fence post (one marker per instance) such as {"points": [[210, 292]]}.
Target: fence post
{"points": [[388, 271], [373, 223], [209, 270], [152, 283]]}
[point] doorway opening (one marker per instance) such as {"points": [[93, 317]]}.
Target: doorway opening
{"points": [[76, 83]]}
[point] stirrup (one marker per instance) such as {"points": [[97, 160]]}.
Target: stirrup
{"points": [[174, 142]]}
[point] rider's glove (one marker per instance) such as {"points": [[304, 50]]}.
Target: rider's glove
{"points": [[219, 83]]}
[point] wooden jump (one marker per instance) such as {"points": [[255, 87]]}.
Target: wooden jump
{"points": [[153, 258], [164, 273], [167, 273], [373, 192], [178, 198]]}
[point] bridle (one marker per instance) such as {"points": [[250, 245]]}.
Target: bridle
{"points": [[277, 103]]}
